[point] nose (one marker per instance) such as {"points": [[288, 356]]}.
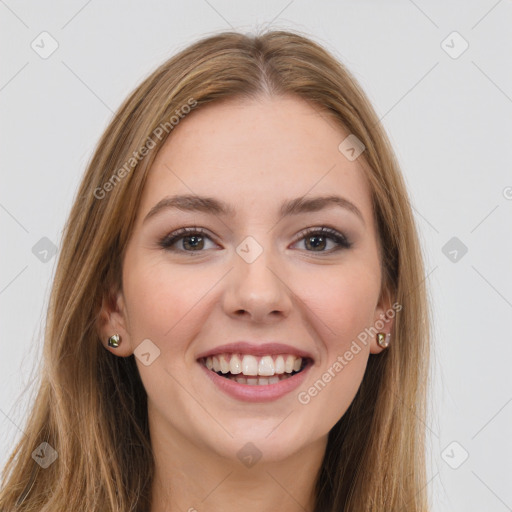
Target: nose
{"points": [[258, 290]]}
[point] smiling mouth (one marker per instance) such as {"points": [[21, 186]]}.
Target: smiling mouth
{"points": [[256, 371]]}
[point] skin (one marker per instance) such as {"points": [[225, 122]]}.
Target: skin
{"points": [[254, 155]]}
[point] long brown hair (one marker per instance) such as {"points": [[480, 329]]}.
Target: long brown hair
{"points": [[375, 457]]}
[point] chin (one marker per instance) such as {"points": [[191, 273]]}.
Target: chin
{"points": [[268, 440]]}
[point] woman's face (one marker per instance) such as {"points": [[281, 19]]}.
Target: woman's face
{"points": [[253, 275]]}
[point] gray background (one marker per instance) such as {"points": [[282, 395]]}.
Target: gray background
{"points": [[449, 117]]}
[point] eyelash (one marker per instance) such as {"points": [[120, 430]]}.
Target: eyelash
{"points": [[343, 243]]}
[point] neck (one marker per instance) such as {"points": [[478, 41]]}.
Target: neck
{"points": [[192, 478]]}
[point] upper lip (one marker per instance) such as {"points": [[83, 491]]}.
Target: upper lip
{"points": [[256, 349]]}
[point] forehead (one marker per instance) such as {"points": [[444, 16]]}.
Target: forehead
{"points": [[256, 153]]}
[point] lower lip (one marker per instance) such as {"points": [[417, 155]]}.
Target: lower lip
{"points": [[257, 393]]}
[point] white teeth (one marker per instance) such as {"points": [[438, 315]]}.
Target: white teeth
{"points": [[224, 365], [235, 365], [249, 365], [279, 364], [259, 381], [266, 366], [288, 366]]}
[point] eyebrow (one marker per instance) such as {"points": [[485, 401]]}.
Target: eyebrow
{"points": [[194, 203]]}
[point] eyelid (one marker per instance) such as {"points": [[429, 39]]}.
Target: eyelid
{"points": [[324, 229]]}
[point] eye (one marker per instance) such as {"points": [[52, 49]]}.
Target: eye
{"points": [[317, 239], [193, 240]]}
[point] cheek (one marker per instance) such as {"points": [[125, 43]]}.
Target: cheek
{"points": [[344, 307], [162, 298], [343, 298], [167, 304]]}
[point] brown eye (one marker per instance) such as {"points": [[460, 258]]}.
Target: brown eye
{"points": [[317, 242], [193, 240], [317, 239]]}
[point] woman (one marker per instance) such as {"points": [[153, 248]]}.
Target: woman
{"points": [[239, 316]]}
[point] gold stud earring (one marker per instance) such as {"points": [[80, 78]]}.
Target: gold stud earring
{"points": [[114, 340], [383, 339]]}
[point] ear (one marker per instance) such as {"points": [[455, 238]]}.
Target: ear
{"points": [[383, 320], [112, 319]]}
